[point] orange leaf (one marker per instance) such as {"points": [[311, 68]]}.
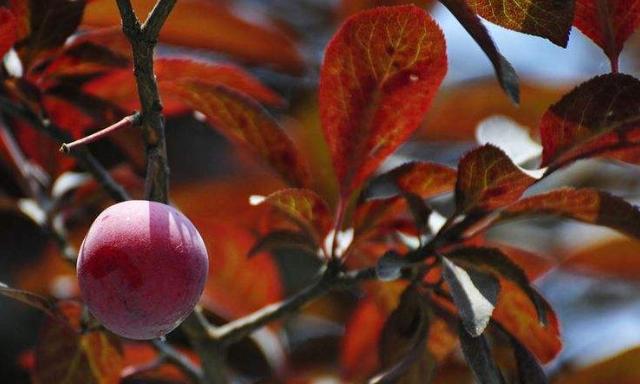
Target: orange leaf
{"points": [[609, 23], [209, 24], [139, 354], [615, 257], [227, 200], [305, 208], [236, 285], [359, 350], [380, 216], [244, 121], [379, 75], [480, 99], [7, 30], [488, 179], [586, 205], [515, 312], [601, 116], [550, 19], [620, 369], [424, 179], [63, 355]]}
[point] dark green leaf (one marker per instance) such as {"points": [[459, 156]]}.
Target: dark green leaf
{"points": [[51, 23], [283, 239], [36, 301], [403, 341], [475, 294], [471, 22], [529, 370], [498, 261], [584, 204], [550, 19], [419, 210], [600, 117], [478, 355]]}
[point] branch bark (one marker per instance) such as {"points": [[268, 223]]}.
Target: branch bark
{"points": [[330, 279], [143, 40]]}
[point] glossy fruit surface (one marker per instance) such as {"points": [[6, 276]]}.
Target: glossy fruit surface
{"points": [[141, 268]]}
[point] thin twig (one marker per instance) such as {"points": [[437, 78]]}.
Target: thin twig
{"points": [[157, 17], [179, 360], [28, 182], [82, 155], [124, 123]]}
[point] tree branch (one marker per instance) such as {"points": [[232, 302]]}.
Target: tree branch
{"points": [[157, 17], [329, 280], [143, 41]]}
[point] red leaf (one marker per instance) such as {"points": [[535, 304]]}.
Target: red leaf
{"points": [[67, 116], [587, 205], [550, 19], [42, 150], [609, 23], [245, 122], [306, 208], [7, 30], [424, 179], [188, 25], [89, 53], [118, 86], [50, 23], [358, 357], [488, 179], [380, 73], [350, 7], [598, 117], [379, 217]]}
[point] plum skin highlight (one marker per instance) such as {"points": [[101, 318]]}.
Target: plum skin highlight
{"points": [[141, 268]]}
